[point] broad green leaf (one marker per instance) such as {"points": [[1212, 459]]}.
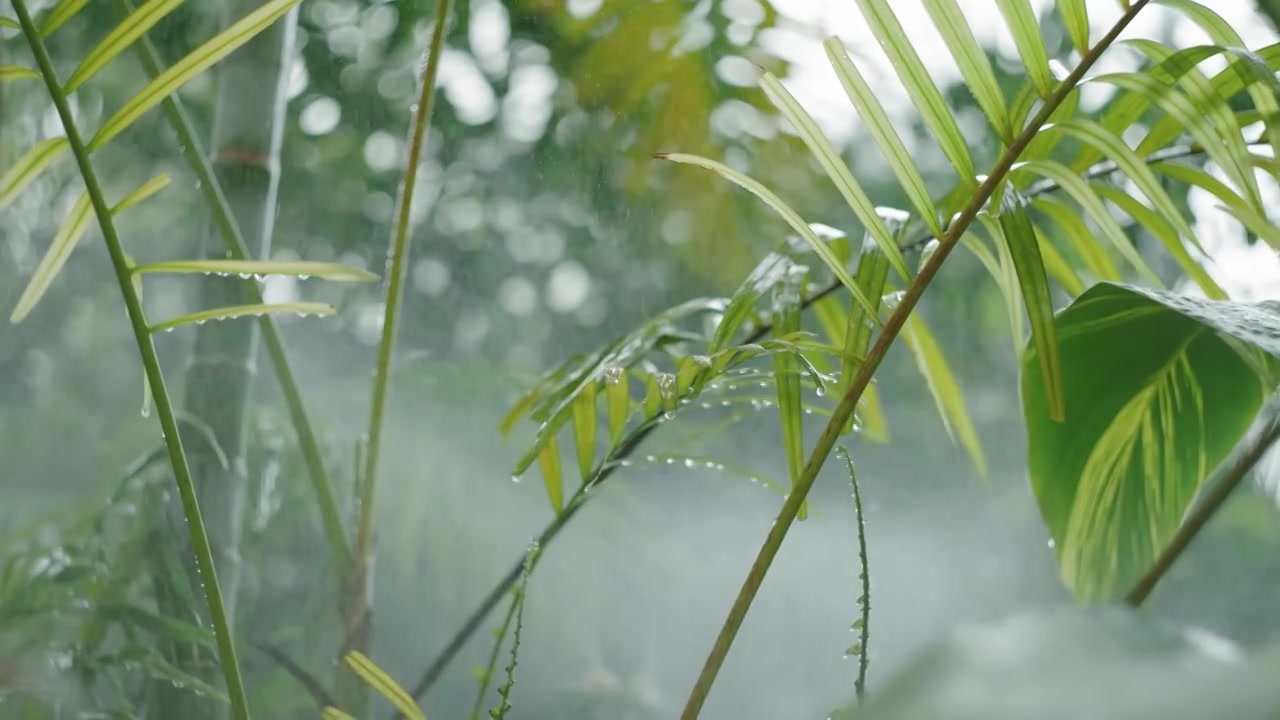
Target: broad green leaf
{"points": [[196, 62], [652, 396], [1026, 35], [946, 393], [60, 14], [830, 159], [617, 393], [246, 269], [878, 124], [585, 423], [1160, 400], [387, 687], [301, 309], [1079, 190], [786, 314], [119, 39], [552, 477], [1158, 224], [1028, 263], [1075, 15], [17, 72], [28, 167], [973, 63], [1091, 252], [920, 87], [791, 216], [69, 234], [142, 192]]}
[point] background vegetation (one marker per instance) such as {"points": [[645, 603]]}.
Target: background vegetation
{"points": [[544, 228]]}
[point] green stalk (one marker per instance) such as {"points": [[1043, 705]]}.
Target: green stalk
{"points": [[151, 364], [357, 605], [844, 411], [229, 230], [1204, 511]]}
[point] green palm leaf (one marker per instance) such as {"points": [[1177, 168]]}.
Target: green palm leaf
{"points": [[118, 40], [69, 234], [300, 309], [1026, 35], [28, 167]]}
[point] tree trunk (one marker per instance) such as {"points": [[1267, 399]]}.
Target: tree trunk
{"points": [[247, 132]]}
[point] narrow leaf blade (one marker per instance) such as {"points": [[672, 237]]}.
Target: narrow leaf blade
{"points": [[387, 687], [28, 168], [1021, 19], [332, 272], [68, 235], [1024, 248], [119, 39], [301, 309], [190, 66]]}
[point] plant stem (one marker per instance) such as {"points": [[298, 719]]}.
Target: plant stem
{"points": [[1212, 502], [761, 331], [151, 364], [225, 223], [357, 606], [844, 410]]}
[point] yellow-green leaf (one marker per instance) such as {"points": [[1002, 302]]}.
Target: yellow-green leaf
{"points": [[1057, 266], [585, 422], [1024, 249], [1160, 225], [387, 687], [552, 477], [60, 14], [890, 143], [1091, 252], [119, 39], [919, 86], [333, 272], [786, 320], [28, 168], [791, 216], [9, 23], [1026, 35], [1079, 190], [1075, 15], [301, 309], [69, 234], [946, 392], [333, 713], [973, 63], [190, 66], [17, 72], [617, 393], [142, 192]]}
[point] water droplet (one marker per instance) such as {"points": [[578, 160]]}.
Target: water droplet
{"points": [[690, 463], [516, 478], [821, 391]]}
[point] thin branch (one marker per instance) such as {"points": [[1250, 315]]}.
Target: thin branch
{"points": [[308, 681], [1230, 479]]}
